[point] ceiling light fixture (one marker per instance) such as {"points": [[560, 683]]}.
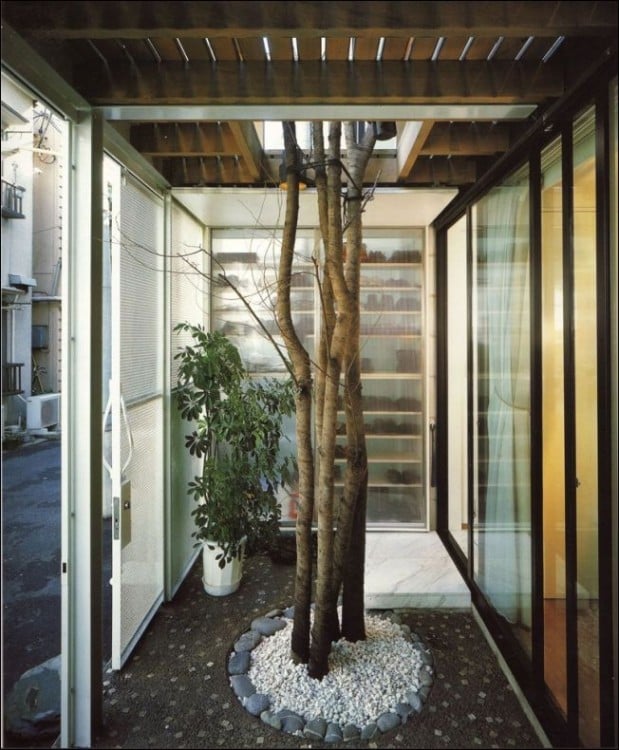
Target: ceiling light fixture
{"points": [[283, 176]]}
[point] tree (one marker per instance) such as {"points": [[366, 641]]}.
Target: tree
{"points": [[323, 387]]}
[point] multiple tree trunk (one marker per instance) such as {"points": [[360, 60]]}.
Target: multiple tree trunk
{"points": [[326, 387]]}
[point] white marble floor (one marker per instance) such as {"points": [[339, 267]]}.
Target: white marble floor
{"points": [[411, 569]]}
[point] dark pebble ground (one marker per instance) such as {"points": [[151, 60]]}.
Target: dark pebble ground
{"points": [[174, 692]]}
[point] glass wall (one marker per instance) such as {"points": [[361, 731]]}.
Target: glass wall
{"points": [[501, 401], [586, 426], [553, 425], [544, 589], [391, 340], [457, 316]]}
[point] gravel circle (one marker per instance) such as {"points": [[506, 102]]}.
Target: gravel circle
{"points": [[372, 685]]}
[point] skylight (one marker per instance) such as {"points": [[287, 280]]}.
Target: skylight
{"points": [[274, 137]]}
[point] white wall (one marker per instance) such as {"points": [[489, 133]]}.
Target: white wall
{"points": [[221, 207]]}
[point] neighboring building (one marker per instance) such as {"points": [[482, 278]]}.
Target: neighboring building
{"points": [[32, 192], [17, 276]]}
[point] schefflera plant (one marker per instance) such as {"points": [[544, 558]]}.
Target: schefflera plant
{"points": [[238, 433]]}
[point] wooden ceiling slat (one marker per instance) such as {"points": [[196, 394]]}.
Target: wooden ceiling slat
{"points": [[337, 49], [452, 48], [338, 82], [167, 49], [110, 50], [195, 48], [84, 50], [510, 46], [281, 48], [480, 48], [309, 49], [537, 49], [223, 49], [365, 49], [105, 45], [423, 47], [138, 50], [252, 48], [189, 139], [395, 47], [81, 18], [439, 171], [203, 171]]}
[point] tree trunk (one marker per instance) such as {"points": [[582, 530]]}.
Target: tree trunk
{"points": [[341, 553], [303, 400], [350, 568], [326, 626]]}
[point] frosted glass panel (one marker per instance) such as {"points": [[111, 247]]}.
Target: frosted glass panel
{"points": [[141, 290], [392, 347]]}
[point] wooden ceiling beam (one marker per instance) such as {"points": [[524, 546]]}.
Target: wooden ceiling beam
{"points": [[249, 146], [466, 139], [184, 139], [227, 171], [206, 170], [442, 171], [311, 82], [411, 139], [92, 20]]}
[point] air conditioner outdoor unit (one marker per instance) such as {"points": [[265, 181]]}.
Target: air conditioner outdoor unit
{"points": [[43, 411]]}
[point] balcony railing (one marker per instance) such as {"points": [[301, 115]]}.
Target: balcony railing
{"points": [[11, 378], [12, 200]]}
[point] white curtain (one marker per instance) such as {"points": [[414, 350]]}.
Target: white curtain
{"points": [[503, 302]]}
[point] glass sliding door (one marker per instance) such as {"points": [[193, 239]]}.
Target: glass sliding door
{"points": [[457, 383], [543, 556], [553, 428], [586, 427], [501, 402]]}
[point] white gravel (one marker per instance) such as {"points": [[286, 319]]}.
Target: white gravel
{"points": [[365, 679]]}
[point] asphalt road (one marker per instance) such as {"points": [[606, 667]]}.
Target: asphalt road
{"points": [[31, 559]]}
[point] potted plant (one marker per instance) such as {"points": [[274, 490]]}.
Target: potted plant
{"points": [[238, 430]]}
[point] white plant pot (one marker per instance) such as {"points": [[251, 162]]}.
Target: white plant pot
{"points": [[221, 581]]}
